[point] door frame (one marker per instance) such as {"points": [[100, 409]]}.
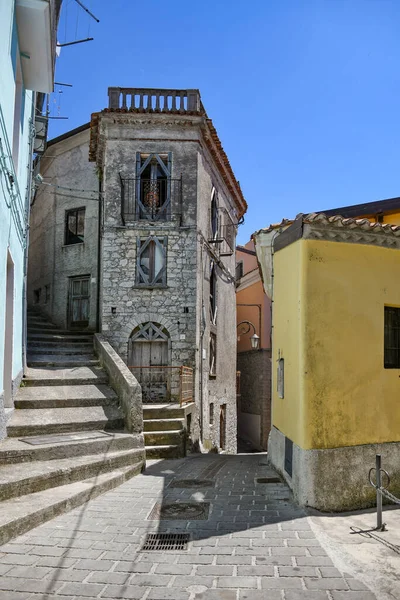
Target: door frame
{"points": [[69, 301]]}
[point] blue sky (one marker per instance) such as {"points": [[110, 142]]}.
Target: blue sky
{"points": [[305, 94]]}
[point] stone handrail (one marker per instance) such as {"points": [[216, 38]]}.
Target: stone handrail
{"points": [[123, 382], [155, 100]]}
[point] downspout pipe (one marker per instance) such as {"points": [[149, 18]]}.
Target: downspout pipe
{"points": [[99, 232]]}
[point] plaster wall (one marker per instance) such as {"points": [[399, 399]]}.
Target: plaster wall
{"points": [[14, 198], [288, 413], [351, 398], [51, 261]]}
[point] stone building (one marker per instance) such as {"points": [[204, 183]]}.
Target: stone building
{"points": [[64, 228], [168, 208]]}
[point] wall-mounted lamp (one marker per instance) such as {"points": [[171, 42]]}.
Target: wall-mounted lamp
{"points": [[254, 339]]}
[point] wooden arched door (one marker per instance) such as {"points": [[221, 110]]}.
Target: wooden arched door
{"points": [[149, 356]]}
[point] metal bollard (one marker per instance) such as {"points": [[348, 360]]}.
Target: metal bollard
{"points": [[378, 492]]}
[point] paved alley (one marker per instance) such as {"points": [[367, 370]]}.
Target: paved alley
{"points": [[247, 541]]}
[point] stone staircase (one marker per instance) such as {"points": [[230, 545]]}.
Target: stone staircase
{"points": [[66, 442], [164, 430]]}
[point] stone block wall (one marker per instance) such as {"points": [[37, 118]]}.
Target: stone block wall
{"points": [[254, 406]]}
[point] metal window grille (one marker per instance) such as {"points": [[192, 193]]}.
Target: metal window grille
{"points": [[392, 337]]}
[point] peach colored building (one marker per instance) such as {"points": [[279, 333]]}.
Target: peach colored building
{"points": [[252, 304]]}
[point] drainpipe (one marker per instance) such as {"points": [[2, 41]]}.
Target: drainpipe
{"points": [[100, 215]]}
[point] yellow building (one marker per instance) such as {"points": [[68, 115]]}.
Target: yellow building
{"points": [[335, 354]]}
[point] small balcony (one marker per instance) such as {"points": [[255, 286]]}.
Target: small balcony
{"points": [[223, 233], [150, 199]]}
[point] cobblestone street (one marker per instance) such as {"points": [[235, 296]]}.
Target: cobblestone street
{"points": [[255, 544]]}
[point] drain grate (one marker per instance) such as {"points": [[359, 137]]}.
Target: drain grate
{"points": [[157, 542], [191, 483], [268, 480]]}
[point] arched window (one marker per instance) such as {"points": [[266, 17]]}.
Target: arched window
{"points": [[214, 214]]}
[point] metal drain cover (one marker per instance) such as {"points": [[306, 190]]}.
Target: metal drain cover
{"points": [[187, 511], [157, 542], [191, 483], [268, 480]]}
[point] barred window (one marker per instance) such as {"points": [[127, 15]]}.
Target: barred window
{"points": [[392, 338], [151, 261]]}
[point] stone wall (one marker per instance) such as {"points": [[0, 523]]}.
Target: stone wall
{"points": [[254, 406], [182, 306], [51, 262]]}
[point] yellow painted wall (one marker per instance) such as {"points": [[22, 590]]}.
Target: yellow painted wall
{"points": [[392, 218], [328, 315], [287, 341], [351, 399]]}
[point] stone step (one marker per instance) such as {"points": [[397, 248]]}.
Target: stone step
{"points": [[61, 338], [28, 478], [64, 344], [60, 376], [63, 396], [13, 450], [163, 411], [53, 330], [163, 424], [167, 451], [162, 438], [37, 323], [55, 360], [56, 349], [42, 421], [19, 515]]}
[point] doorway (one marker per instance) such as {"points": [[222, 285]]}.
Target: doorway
{"points": [[148, 355], [79, 302], [9, 334]]}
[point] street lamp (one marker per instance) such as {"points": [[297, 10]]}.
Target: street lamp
{"points": [[254, 339]]}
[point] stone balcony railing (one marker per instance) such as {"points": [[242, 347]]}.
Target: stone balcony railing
{"points": [[152, 100]]}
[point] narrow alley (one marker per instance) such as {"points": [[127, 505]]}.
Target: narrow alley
{"points": [[240, 537]]}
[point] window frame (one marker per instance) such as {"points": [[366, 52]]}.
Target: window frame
{"points": [[213, 356], [155, 160], [67, 233], [142, 279], [393, 332]]}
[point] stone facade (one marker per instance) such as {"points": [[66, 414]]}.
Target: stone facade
{"points": [[71, 183], [194, 243]]}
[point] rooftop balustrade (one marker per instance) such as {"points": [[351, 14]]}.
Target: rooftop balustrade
{"points": [[152, 100]]}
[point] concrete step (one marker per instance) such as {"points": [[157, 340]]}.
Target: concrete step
{"points": [[19, 515], [13, 450], [63, 396], [167, 451], [163, 424], [67, 376], [163, 438], [28, 478], [55, 360], [60, 338], [163, 411], [67, 350], [42, 421]]}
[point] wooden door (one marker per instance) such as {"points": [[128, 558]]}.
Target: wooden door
{"points": [[148, 354], [79, 302]]}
